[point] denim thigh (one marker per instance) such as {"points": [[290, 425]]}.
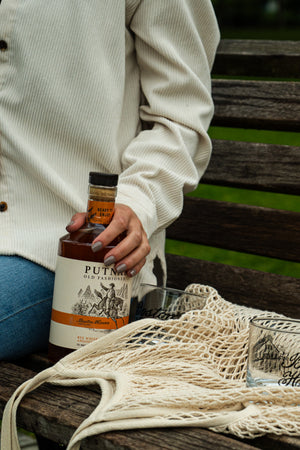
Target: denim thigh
{"points": [[26, 291]]}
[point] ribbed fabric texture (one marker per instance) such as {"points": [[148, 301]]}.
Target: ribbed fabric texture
{"points": [[70, 84]]}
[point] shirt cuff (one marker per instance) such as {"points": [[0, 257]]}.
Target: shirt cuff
{"points": [[140, 203]]}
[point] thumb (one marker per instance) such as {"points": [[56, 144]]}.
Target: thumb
{"points": [[76, 222]]}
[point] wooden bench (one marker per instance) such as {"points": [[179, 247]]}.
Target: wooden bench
{"points": [[274, 233], [245, 103]]}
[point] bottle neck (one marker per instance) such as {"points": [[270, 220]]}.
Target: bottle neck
{"points": [[101, 203]]}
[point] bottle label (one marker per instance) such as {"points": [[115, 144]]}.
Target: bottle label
{"points": [[89, 300], [100, 212]]}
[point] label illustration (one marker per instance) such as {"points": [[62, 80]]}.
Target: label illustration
{"points": [[90, 300]]}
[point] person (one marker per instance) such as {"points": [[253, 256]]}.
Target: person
{"points": [[106, 85], [109, 297]]}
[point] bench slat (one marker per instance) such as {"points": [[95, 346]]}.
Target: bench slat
{"points": [[47, 410], [251, 229], [54, 412], [270, 105], [268, 167], [267, 58], [247, 287]]}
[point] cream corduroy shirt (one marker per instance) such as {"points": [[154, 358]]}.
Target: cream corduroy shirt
{"points": [[78, 82]]}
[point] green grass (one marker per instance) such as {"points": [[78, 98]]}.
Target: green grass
{"points": [[263, 136], [233, 258], [249, 197], [264, 199]]}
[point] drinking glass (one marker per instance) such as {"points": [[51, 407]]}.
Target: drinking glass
{"points": [[274, 352], [166, 303]]}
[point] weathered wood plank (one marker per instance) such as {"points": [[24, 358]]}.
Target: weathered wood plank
{"points": [[251, 229], [55, 413], [277, 442], [46, 411], [35, 362], [170, 439], [267, 58], [270, 105], [268, 167], [247, 287]]}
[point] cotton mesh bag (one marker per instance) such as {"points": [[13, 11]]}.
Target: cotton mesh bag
{"points": [[175, 373]]}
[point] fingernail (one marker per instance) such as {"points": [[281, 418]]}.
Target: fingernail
{"points": [[121, 268], [70, 224], [97, 246], [131, 273], [110, 260]]}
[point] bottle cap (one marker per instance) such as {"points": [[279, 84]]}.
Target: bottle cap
{"points": [[103, 179]]}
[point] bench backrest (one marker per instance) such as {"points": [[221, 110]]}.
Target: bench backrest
{"points": [[244, 99]]}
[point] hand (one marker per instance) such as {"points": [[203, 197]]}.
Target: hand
{"points": [[130, 254]]}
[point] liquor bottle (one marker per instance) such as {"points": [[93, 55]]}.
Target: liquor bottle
{"points": [[90, 299]]}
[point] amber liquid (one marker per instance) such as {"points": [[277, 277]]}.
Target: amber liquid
{"points": [[77, 245]]}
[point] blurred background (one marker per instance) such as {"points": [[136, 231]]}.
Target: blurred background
{"points": [[258, 19], [250, 19]]}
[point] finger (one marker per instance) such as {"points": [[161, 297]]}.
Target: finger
{"points": [[131, 251], [127, 245], [77, 221], [108, 235], [135, 270], [134, 260], [119, 224]]}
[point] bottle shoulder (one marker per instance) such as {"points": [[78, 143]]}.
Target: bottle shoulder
{"points": [[78, 245]]}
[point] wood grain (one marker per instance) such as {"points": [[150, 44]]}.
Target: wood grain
{"points": [[251, 229], [264, 167], [270, 105], [247, 287], [55, 413], [267, 58]]}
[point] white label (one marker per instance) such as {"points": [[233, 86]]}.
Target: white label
{"points": [[89, 300]]}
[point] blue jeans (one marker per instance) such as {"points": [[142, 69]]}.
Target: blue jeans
{"points": [[26, 291]]}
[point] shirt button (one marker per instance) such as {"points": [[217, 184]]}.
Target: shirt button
{"points": [[3, 206], [3, 45]]}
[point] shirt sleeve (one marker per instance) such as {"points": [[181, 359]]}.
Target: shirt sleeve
{"points": [[175, 48]]}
